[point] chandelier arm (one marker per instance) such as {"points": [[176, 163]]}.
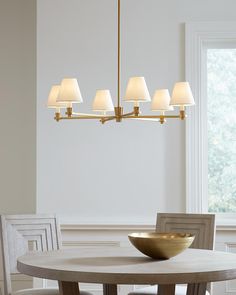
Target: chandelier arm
{"points": [[82, 117], [146, 119], [84, 114], [171, 116], [109, 118], [105, 119], [128, 114], [152, 117]]}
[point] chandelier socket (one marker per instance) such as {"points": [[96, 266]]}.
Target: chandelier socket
{"points": [[57, 116], [162, 119], [69, 112], [136, 111], [182, 114], [102, 120], [118, 113]]}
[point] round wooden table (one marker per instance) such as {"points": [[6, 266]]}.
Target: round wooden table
{"points": [[112, 266]]}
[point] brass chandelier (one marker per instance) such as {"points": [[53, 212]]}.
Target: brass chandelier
{"points": [[68, 92]]}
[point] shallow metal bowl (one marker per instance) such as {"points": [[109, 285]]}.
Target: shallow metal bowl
{"points": [[161, 245]]}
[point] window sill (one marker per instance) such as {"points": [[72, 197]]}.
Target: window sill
{"points": [[226, 223]]}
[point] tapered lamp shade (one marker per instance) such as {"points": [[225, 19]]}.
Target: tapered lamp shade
{"points": [[102, 101], [69, 92], [161, 101], [137, 90], [182, 95], [52, 98]]}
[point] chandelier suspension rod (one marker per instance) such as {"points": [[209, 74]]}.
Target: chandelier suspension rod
{"points": [[118, 55]]}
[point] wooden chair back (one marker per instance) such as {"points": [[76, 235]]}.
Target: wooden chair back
{"points": [[201, 225], [23, 233]]}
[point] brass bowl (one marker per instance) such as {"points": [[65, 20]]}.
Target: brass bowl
{"points": [[161, 245]]}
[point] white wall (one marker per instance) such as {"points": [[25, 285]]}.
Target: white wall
{"points": [[17, 106], [116, 173]]}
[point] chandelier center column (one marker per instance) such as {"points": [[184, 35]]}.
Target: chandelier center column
{"points": [[118, 109], [118, 55]]}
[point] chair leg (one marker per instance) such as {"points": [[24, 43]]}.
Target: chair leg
{"points": [[68, 288], [197, 289], [109, 289], [166, 289]]}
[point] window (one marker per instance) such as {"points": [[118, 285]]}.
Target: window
{"points": [[211, 128], [221, 123]]}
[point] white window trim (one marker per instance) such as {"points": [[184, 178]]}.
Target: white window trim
{"points": [[197, 34]]}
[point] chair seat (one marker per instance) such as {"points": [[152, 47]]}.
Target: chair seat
{"points": [[43, 291], [152, 290]]}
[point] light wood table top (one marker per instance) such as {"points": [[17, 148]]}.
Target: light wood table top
{"points": [[112, 266]]}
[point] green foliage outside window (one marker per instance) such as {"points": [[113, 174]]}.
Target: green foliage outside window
{"points": [[221, 100]]}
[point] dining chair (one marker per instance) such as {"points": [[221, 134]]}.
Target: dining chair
{"points": [[200, 225], [23, 233]]}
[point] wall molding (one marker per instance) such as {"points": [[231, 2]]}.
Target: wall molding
{"points": [[73, 243], [221, 225], [106, 227]]}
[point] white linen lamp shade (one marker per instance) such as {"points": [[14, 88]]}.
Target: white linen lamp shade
{"points": [[137, 90], [102, 101], [182, 95], [161, 101], [69, 91], [52, 98]]}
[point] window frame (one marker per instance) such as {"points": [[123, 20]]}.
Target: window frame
{"points": [[198, 37]]}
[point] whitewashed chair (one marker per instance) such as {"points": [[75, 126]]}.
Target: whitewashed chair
{"points": [[22, 233], [201, 225]]}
